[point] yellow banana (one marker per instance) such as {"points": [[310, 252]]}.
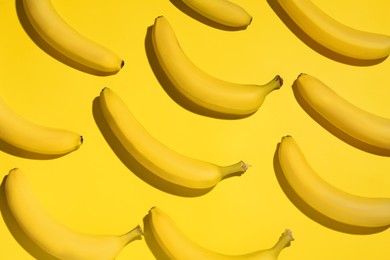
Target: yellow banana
{"points": [[223, 12], [201, 88], [367, 128], [31, 137], [328, 200], [53, 237], [61, 36], [155, 156], [334, 35], [177, 245]]}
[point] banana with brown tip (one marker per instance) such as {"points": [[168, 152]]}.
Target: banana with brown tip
{"points": [[56, 239], [178, 246], [31, 137], [223, 12], [61, 36], [159, 159], [201, 88], [334, 203], [332, 34], [367, 128]]}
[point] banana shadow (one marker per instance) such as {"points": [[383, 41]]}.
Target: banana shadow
{"points": [[151, 242], [15, 151], [133, 165], [335, 130], [313, 213], [179, 4], [310, 42], [19, 235], [172, 91], [43, 45]]}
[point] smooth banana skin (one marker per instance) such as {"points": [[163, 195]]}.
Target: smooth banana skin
{"points": [[223, 12], [53, 237], [335, 36], [326, 199], [201, 88], [177, 246], [155, 156], [62, 37], [367, 128], [34, 138]]}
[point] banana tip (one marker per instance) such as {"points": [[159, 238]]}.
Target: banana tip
{"points": [[159, 17], [151, 209], [103, 89], [13, 169], [289, 233], [280, 79], [140, 230], [250, 20], [245, 166]]}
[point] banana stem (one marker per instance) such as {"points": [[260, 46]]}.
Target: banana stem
{"points": [[283, 242], [237, 168], [133, 234], [275, 83]]}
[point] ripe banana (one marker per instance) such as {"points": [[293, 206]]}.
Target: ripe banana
{"points": [[177, 245], [53, 237], [328, 200], [61, 36], [31, 137], [223, 12], [155, 156], [201, 88], [367, 128], [334, 35]]}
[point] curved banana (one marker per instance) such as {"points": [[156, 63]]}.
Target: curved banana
{"points": [[53, 237], [330, 201], [223, 12], [31, 137], [178, 246], [156, 157], [201, 88], [56, 32], [334, 35], [366, 127]]}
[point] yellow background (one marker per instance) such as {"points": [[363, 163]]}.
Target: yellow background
{"points": [[93, 190]]}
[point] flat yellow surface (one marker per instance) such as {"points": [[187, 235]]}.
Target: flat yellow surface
{"points": [[94, 190]]}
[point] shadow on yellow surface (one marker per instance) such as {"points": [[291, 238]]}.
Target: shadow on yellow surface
{"points": [[133, 165], [151, 241], [314, 214], [24, 241], [200, 18], [335, 130], [42, 44], [170, 89], [315, 45]]}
